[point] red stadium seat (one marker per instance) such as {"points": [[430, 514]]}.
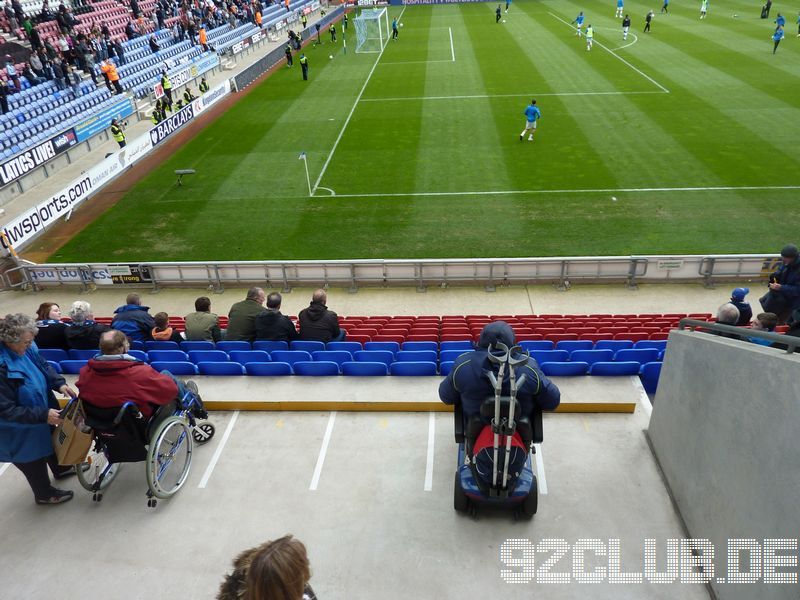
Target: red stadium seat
{"points": [[633, 337], [663, 335], [389, 338], [412, 337], [560, 337], [596, 337]]}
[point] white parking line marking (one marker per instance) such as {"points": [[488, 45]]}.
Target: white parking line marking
{"points": [[4, 467], [540, 477], [218, 451], [429, 463], [322, 452]]}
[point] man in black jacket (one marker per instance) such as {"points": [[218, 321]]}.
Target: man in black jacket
{"points": [[784, 286], [319, 323], [272, 325]]}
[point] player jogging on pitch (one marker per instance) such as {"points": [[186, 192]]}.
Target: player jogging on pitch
{"points": [[589, 37], [626, 25], [578, 22], [620, 6], [532, 114], [703, 8]]}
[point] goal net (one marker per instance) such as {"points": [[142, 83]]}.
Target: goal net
{"points": [[372, 30]]}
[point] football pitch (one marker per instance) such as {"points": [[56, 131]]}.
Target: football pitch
{"points": [[682, 140]]}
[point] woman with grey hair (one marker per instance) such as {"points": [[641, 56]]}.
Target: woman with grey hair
{"points": [[83, 332], [28, 409]]}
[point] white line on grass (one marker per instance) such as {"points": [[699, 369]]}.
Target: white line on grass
{"points": [[350, 116], [525, 95], [413, 62], [617, 56], [540, 478], [635, 39], [4, 467], [452, 50], [218, 451], [429, 462], [644, 400], [586, 191], [322, 452]]}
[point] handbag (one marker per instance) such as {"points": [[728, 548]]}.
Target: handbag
{"points": [[73, 438]]}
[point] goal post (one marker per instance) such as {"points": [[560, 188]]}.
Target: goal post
{"points": [[372, 30]]}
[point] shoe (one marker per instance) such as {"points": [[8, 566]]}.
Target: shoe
{"points": [[521, 136], [70, 471], [530, 139], [58, 497]]}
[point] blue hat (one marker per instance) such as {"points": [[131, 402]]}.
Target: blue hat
{"points": [[740, 293]]}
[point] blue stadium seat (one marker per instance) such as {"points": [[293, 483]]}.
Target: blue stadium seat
{"points": [[82, 354], [543, 356], [412, 369], [416, 356], [613, 345], [248, 356], [172, 355], [220, 368], [451, 355], [615, 369], [417, 346], [176, 367], [570, 345], [323, 368], [532, 345], [465, 346], [161, 345], [270, 346], [137, 345], [641, 355], [649, 375], [233, 345], [657, 344], [54, 354], [72, 367], [337, 356], [138, 355], [350, 347], [592, 356], [197, 345], [55, 365], [382, 356], [565, 369], [445, 367], [364, 369], [392, 347], [307, 346], [198, 356], [290, 356]]}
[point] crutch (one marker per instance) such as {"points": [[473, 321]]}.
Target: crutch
{"points": [[497, 384], [514, 384]]}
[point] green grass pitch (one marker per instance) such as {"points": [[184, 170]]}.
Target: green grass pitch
{"points": [[693, 128]]}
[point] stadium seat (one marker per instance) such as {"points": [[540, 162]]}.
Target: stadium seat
{"points": [[233, 345], [290, 356], [463, 345], [322, 368], [591, 356], [337, 356], [382, 356], [72, 367], [53, 354], [416, 346], [393, 347], [398, 339], [247, 356], [615, 369], [364, 369], [445, 367], [543, 356], [649, 375], [651, 343], [196, 345], [350, 347], [220, 368], [175, 367], [55, 365], [270, 369], [161, 345], [198, 356], [570, 345], [307, 346], [632, 337], [270, 346], [641, 355], [432, 338], [82, 354], [412, 369], [614, 345], [565, 369], [139, 355], [135, 344], [416, 356], [451, 355], [172, 355], [531, 345]]}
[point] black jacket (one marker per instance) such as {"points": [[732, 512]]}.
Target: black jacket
{"points": [[273, 326], [51, 334], [745, 312], [85, 336], [318, 323]]}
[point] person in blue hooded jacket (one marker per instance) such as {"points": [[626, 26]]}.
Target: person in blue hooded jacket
{"points": [[28, 409], [468, 383], [133, 320]]}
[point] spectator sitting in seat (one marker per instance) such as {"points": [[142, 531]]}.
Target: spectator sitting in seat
{"points": [[272, 325], [202, 325], [83, 333], [51, 329], [745, 312], [764, 322], [242, 316], [133, 320], [783, 296], [467, 381], [11, 72], [115, 377], [727, 314], [319, 323], [188, 96], [162, 332], [32, 78], [154, 47]]}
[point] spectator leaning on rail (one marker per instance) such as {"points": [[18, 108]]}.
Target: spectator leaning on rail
{"points": [[467, 381], [28, 409], [83, 332], [133, 320], [319, 323], [242, 316], [272, 325], [783, 296], [745, 312], [52, 331], [202, 325]]}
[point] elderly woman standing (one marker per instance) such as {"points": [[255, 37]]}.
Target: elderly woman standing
{"points": [[51, 329], [28, 408]]}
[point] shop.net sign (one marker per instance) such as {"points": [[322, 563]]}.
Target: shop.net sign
{"points": [[166, 128]]}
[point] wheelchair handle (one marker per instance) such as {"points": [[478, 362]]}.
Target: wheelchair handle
{"points": [[124, 408]]}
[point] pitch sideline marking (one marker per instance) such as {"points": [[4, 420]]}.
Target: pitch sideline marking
{"points": [[350, 116], [721, 188], [525, 95], [617, 56]]}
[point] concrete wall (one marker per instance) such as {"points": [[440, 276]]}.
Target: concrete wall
{"points": [[725, 428]]}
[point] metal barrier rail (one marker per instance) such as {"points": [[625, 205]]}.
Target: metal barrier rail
{"points": [[791, 342], [561, 271]]}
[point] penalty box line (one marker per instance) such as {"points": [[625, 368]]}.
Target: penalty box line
{"points": [[452, 58], [617, 56], [525, 95]]}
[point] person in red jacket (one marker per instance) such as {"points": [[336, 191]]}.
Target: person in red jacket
{"points": [[115, 377]]}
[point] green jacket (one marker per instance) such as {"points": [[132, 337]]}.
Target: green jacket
{"points": [[242, 320], [202, 326]]}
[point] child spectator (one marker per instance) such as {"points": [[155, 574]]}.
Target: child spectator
{"points": [[162, 332], [765, 321], [745, 312]]}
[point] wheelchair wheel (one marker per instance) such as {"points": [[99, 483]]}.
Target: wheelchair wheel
{"points": [[169, 457], [531, 502], [96, 473], [203, 432], [460, 500]]}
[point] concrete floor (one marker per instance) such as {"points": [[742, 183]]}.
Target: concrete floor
{"points": [[371, 529]]}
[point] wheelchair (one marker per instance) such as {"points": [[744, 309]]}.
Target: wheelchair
{"points": [[164, 442]]}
